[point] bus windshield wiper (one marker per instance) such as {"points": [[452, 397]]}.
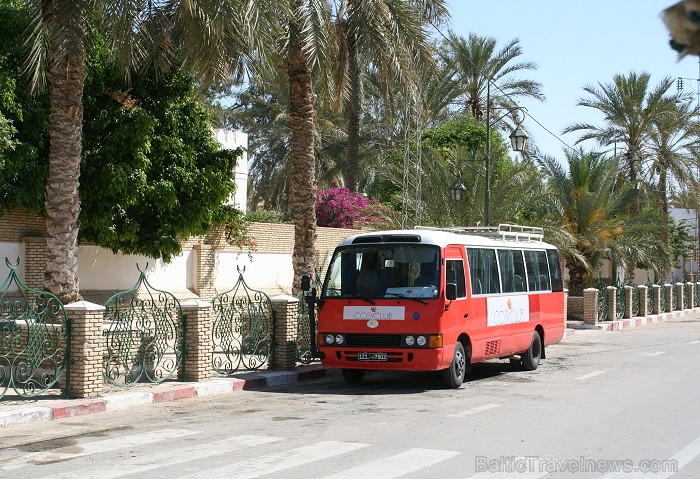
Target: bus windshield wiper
{"points": [[403, 296], [343, 293]]}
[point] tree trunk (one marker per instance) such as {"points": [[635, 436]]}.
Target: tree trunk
{"points": [[303, 182], [577, 277], [663, 206], [66, 76], [352, 160]]}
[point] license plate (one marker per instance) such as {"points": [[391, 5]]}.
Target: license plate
{"points": [[371, 356]]}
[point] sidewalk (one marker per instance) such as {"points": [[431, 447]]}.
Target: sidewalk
{"points": [[49, 407]]}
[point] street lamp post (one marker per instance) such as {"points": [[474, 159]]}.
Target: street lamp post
{"points": [[518, 141]]}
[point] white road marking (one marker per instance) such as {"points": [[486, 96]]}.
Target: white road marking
{"points": [[657, 353], [262, 465], [697, 341], [590, 375], [155, 459], [475, 410], [94, 447], [397, 465], [682, 458]]}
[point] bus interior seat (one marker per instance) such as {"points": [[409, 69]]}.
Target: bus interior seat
{"points": [[518, 283]]}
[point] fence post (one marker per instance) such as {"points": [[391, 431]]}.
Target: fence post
{"points": [[286, 316], [657, 298], [197, 365], [691, 294], [86, 349], [697, 285], [627, 314], [205, 262], [669, 297], [680, 293], [612, 303], [643, 305], [590, 306]]}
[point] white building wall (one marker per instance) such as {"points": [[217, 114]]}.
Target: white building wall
{"points": [[231, 140], [690, 217]]}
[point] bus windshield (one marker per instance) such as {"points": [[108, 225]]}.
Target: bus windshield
{"points": [[383, 272]]}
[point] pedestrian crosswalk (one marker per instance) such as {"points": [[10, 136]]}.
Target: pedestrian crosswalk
{"points": [[193, 454]]}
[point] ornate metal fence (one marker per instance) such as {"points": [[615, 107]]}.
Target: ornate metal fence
{"points": [[602, 300], [243, 330], [34, 338], [650, 294], [620, 299], [662, 299], [303, 328], [635, 298], [144, 335]]}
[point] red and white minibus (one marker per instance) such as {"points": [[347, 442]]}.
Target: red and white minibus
{"points": [[439, 299]]}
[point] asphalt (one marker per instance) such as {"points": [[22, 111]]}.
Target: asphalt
{"points": [[16, 411]]}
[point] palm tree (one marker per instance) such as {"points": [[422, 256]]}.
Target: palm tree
{"points": [[307, 45], [586, 214], [475, 61], [386, 38], [674, 146], [214, 40], [631, 110]]}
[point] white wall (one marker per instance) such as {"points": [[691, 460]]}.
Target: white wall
{"points": [[11, 251], [100, 269], [266, 270], [231, 140], [689, 217]]}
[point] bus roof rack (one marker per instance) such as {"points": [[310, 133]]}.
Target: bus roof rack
{"points": [[503, 231]]}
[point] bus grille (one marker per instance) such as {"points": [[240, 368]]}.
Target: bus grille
{"points": [[374, 340]]}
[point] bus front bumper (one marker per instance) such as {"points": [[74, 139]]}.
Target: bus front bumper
{"points": [[386, 359]]}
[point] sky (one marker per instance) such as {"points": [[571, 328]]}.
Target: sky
{"points": [[576, 43]]}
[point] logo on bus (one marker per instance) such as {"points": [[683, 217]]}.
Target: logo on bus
{"points": [[377, 313], [502, 310]]}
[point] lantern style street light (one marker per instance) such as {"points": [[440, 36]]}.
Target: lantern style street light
{"points": [[518, 141]]}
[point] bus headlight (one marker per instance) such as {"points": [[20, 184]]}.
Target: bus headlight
{"points": [[410, 340], [421, 341], [339, 339], [330, 339]]}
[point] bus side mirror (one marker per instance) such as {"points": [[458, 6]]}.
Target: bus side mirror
{"points": [[451, 291], [305, 282]]}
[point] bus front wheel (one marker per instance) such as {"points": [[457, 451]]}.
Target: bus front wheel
{"points": [[454, 375], [530, 359], [353, 376]]}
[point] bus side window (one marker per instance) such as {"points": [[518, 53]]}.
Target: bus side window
{"points": [[483, 271], [454, 273], [537, 271], [555, 270], [512, 270]]}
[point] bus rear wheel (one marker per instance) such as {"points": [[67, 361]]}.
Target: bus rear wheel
{"points": [[353, 376], [530, 359], [454, 375]]}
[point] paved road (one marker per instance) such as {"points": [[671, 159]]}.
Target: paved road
{"points": [[603, 405]]}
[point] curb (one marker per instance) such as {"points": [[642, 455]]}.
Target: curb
{"points": [[158, 394], [636, 322]]}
